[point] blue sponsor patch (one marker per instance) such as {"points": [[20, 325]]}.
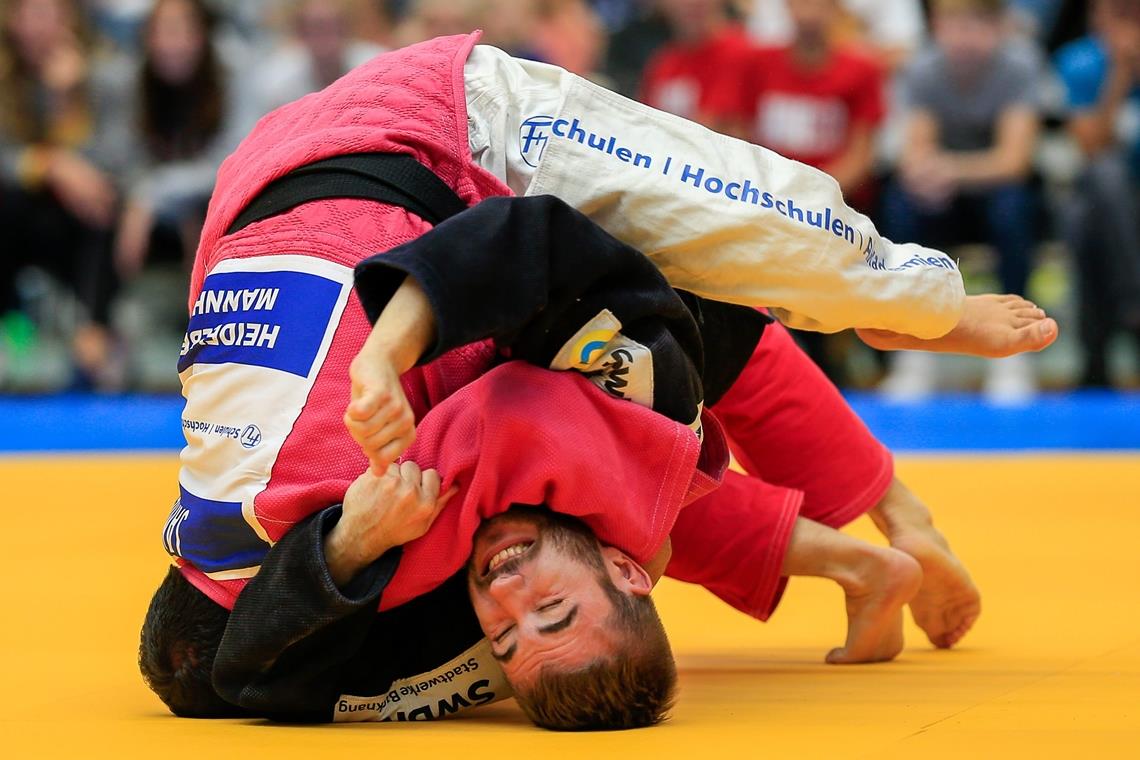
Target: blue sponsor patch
{"points": [[276, 320], [212, 535]]}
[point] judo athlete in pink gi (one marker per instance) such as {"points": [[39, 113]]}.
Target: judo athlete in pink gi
{"points": [[274, 326]]}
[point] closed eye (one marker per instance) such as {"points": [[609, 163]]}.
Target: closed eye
{"points": [[503, 634], [550, 605]]}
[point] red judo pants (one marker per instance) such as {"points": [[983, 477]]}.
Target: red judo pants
{"points": [[807, 454]]}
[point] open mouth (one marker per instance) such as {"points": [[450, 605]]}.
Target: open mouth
{"points": [[508, 553]]}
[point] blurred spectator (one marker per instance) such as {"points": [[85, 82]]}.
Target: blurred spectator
{"points": [[633, 45], [375, 22], [615, 14], [119, 21], [509, 26], [967, 157], [1102, 79], [816, 100], [322, 50], [892, 29], [820, 101], [708, 53], [186, 116], [426, 19], [57, 203], [569, 34]]}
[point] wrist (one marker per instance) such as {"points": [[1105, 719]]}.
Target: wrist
{"points": [[345, 555], [341, 557], [406, 328], [400, 354]]}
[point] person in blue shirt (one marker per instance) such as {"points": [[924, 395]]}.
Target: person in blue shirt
{"points": [[1101, 74]]}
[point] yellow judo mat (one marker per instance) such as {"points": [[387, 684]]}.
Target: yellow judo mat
{"points": [[1051, 670]]}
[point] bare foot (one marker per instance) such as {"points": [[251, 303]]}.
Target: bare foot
{"points": [[948, 603], [992, 326], [883, 582]]}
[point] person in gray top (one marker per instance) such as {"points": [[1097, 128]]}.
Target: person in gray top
{"points": [[321, 49], [965, 171]]}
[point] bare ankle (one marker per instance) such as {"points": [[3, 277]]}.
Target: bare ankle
{"points": [[863, 570], [899, 511]]}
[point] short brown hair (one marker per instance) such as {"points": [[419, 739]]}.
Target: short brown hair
{"points": [[633, 689], [983, 7], [179, 639]]}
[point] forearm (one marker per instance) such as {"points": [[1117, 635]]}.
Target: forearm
{"points": [[1095, 129], [853, 168], [343, 556], [405, 329], [1009, 160], [295, 625], [986, 167]]}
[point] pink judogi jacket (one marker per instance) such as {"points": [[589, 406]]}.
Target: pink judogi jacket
{"points": [[274, 325], [625, 470]]}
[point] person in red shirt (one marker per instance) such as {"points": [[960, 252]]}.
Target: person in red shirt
{"points": [[684, 76], [816, 100]]}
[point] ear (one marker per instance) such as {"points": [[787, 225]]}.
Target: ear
{"points": [[627, 575]]}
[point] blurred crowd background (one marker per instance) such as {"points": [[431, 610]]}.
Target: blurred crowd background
{"points": [[1007, 133]]}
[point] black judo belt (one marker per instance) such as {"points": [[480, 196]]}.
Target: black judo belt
{"points": [[392, 178]]}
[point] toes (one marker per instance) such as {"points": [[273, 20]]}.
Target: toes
{"points": [[1035, 335], [837, 656], [1046, 332]]}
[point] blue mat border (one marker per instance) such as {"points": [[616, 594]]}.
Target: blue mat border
{"points": [[1089, 420]]}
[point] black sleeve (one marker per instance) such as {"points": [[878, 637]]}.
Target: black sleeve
{"points": [[511, 269], [293, 632], [533, 274], [730, 334]]}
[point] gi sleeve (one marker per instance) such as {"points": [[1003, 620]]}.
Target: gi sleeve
{"points": [[512, 269], [293, 632], [721, 218], [555, 289]]}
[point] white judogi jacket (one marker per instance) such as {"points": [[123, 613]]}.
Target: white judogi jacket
{"points": [[720, 217]]}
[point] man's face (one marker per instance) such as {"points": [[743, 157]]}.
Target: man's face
{"points": [[969, 39], [176, 41], [323, 29], [812, 19], [538, 600]]}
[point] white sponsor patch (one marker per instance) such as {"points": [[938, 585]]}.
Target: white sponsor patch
{"points": [[469, 680], [259, 333], [615, 363]]}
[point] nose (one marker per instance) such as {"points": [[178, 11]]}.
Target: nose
{"points": [[506, 586]]}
